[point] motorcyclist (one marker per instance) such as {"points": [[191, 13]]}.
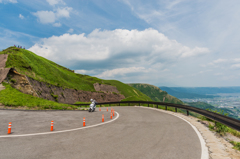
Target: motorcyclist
{"points": [[94, 103]]}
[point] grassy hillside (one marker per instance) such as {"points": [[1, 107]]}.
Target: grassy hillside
{"points": [[155, 93], [41, 69], [14, 98]]}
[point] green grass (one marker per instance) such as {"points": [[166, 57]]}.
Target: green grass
{"points": [[130, 93], [155, 93], [44, 70], [13, 98], [41, 69], [236, 145], [82, 103]]}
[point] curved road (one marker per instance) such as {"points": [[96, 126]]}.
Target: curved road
{"points": [[137, 133]]}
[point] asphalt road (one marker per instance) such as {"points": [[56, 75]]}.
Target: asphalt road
{"points": [[137, 133]]}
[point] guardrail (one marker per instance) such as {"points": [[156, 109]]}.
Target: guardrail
{"points": [[230, 122]]}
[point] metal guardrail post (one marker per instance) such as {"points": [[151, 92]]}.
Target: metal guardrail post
{"points": [[157, 105], [119, 104], [139, 104], [187, 113], [165, 107], [148, 104], [175, 109], [128, 104], [100, 105]]}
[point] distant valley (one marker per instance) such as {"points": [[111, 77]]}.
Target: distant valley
{"points": [[215, 98]]}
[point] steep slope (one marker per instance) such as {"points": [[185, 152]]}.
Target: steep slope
{"points": [[155, 93], [54, 82]]}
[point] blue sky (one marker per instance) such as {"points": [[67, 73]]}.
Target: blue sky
{"points": [[164, 42]]}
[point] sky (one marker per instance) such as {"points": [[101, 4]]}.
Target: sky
{"points": [[181, 43]]}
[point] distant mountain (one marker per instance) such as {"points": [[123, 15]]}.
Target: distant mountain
{"points": [[155, 93], [206, 90], [184, 92]]}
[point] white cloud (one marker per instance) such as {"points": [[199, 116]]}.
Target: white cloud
{"points": [[57, 24], [120, 71], [51, 16], [70, 30], [45, 16], [85, 71], [63, 12], [21, 16], [235, 66], [101, 45], [54, 2], [81, 71]]}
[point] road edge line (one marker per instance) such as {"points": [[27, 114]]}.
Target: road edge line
{"points": [[204, 154]]}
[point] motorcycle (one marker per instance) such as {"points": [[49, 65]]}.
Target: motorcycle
{"points": [[92, 107]]}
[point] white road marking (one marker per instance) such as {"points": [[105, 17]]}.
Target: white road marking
{"points": [[54, 132], [204, 154]]}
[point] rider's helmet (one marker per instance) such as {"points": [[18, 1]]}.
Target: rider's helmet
{"points": [[91, 100]]}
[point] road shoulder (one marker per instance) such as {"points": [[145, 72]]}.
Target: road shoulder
{"points": [[218, 147]]}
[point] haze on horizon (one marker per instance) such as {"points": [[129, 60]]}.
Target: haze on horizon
{"points": [[164, 43]]}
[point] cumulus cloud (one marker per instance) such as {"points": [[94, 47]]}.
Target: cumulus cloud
{"points": [[63, 12], [102, 45], [51, 16], [45, 16], [86, 71], [120, 71], [21, 16]]}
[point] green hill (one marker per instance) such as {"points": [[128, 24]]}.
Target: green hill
{"points": [[38, 68], [155, 93]]}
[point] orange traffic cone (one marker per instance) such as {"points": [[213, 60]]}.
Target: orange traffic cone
{"points": [[9, 127], [111, 115], [99, 109], [83, 121], [113, 112], [51, 125], [107, 109], [102, 118]]}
